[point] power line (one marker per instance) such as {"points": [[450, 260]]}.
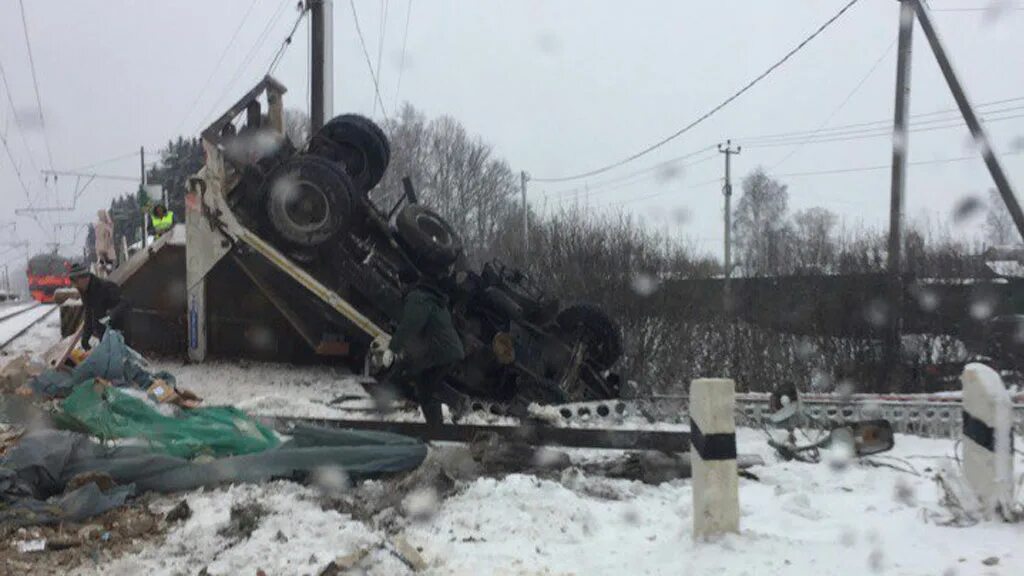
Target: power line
{"points": [[990, 9], [654, 168], [366, 55], [840, 107], [928, 126], [220, 60], [401, 65], [883, 166], [664, 192], [380, 43], [274, 18], [886, 123], [287, 41], [849, 170], [709, 113], [35, 82]]}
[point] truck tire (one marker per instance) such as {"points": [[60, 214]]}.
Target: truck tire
{"points": [[308, 200], [600, 334], [433, 242], [358, 144]]}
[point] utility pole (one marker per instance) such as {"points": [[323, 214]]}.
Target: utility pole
{"points": [[729, 151], [894, 318], [970, 118], [523, 178], [142, 164], [321, 76]]}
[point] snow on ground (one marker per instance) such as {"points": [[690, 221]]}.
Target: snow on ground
{"points": [[265, 388], [10, 327], [796, 519], [295, 536], [8, 309]]}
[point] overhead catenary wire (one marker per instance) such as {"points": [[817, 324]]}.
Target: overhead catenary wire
{"points": [[17, 121], [216, 66], [288, 40], [652, 147], [366, 55], [274, 19], [401, 61], [380, 44], [35, 82]]}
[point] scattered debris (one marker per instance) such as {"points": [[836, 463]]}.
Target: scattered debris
{"points": [[407, 554], [343, 564], [26, 546], [180, 512], [102, 480], [244, 520], [990, 561]]}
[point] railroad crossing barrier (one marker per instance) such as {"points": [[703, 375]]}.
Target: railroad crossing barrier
{"points": [[716, 501], [987, 438]]}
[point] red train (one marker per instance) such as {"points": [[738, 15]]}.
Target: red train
{"points": [[47, 273]]}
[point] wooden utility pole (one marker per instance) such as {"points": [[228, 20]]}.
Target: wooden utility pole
{"points": [[729, 151], [321, 75], [894, 318]]}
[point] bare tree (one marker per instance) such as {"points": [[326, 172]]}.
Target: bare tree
{"points": [[297, 126], [815, 248], [455, 173], [760, 225], [999, 227]]}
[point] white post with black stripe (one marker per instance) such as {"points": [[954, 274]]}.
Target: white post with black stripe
{"points": [[716, 499], [988, 437]]}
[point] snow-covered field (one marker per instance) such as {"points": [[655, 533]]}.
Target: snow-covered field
{"points": [[847, 517]]}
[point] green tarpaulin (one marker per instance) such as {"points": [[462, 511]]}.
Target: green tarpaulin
{"points": [[109, 413]]}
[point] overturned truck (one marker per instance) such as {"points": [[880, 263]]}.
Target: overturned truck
{"points": [[301, 224]]}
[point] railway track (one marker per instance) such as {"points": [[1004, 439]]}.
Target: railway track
{"points": [[15, 323]]}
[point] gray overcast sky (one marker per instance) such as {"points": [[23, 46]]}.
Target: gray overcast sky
{"points": [[556, 87]]}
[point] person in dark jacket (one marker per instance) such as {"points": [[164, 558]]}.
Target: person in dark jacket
{"points": [[102, 302], [425, 346]]}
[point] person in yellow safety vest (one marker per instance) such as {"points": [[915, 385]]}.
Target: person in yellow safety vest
{"points": [[162, 218]]}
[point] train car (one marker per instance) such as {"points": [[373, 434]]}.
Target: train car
{"points": [[46, 274]]}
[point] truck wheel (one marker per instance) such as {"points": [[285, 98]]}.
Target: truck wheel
{"points": [[430, 238], [358, 144], [308, 200], [591, 325]]}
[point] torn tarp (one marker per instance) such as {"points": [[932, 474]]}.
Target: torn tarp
{"points": [[34, 473], [109, 413], [111, 360]]}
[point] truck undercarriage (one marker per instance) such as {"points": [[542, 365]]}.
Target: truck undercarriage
{"points": [[303, 226]]}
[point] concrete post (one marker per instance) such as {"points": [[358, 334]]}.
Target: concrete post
{"points": [[988, 437], [716, 502]]}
